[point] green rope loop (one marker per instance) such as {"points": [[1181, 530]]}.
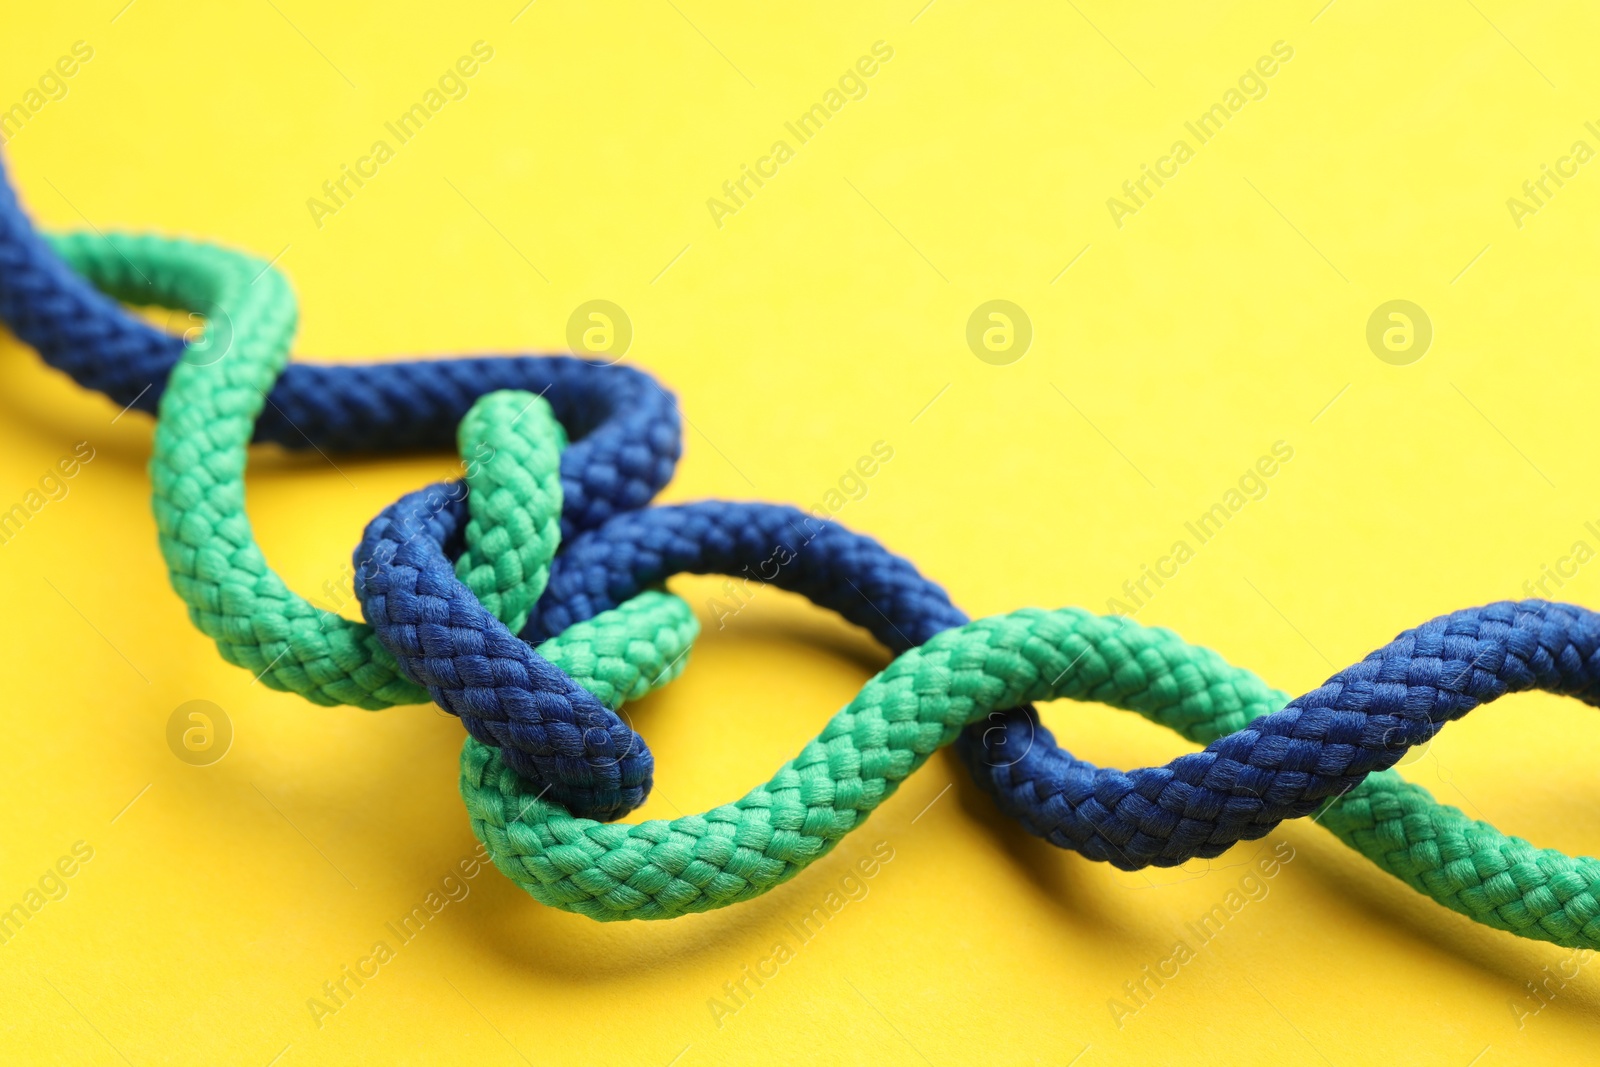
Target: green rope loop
{"points": [[660, 869], [510, 443]]}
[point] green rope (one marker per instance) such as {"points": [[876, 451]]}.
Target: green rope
{"points": [[1467, 865], [660, 869], [511, 443], [920, 702]]}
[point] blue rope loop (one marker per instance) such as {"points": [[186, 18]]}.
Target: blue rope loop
{"points": [[552, 733], [550, 729], [626, 439], [623, 426], [1286, 764], [835, 568]]}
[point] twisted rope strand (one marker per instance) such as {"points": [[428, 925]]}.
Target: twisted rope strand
{"points": [[560, 737], [624, 425], [1284, 764], [208, 410], [633, 551], [512, 444], [616, 639], [1467, 865], [660, 869]]}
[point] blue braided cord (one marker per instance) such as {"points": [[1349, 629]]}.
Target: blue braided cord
{"points": [[846, 572], [623, 425], [1287, 763], [1282, 765], [549, 730]]}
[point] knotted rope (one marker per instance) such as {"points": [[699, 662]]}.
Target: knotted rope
{"points": [[544, 741], [512, 442], [1269, 762]]}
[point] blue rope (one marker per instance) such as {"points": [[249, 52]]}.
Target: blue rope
{"points": [[624, 427], [626, 442], [1288, 763], [775, 544], [550, 731], [1279, 766]]}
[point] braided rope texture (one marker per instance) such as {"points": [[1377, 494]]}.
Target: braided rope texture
{"points": [[1471, 867], [1395, 698], [208, 410], [1468, 866], [1285, 764], [625, 426], [560, 737], [1440, 669], [515, 494], [661, 869], [512, 444], [845, 572]]}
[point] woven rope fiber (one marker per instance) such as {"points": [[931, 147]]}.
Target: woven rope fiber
{"points": [[661, 869], [1254, 774], [624, 425], [1467, 865], [513, 443], [473, 665], [1265, 761], [223, 382]]}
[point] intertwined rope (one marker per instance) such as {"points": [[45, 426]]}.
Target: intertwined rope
{"points": [[448, 574]]}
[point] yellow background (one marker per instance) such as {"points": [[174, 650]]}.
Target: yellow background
{"points": [[1227, 314]]}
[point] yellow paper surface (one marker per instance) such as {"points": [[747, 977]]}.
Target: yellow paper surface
{"points": [[1177, 338]]}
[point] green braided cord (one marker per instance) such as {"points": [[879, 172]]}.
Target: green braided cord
{"points": [[1467, 865], [514, 507], [660, 869], [630, 650], [512, 442]]}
